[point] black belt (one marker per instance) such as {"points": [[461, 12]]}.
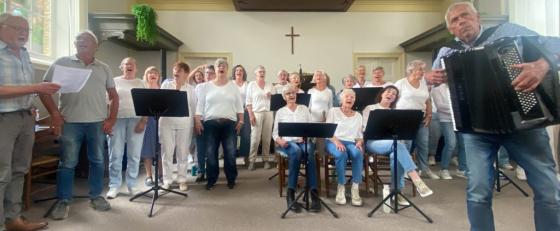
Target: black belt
{"points": [[28, 111]]}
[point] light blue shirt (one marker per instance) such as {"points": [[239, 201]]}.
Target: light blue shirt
{"points": [[16, 71]]}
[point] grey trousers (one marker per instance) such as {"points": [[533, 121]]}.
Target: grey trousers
{"points": [[16, 145]]}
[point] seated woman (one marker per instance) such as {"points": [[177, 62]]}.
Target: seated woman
{"points": [[387, 99], [347, 143], [293, 147]]}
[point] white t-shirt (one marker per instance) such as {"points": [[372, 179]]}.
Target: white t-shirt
{"points": [[320, 103], [411, 97], [257, 97], [278, 88], [217, 102], [180, 122], [367, 110], [242, 91], [284, 114], [349, 128], [370, 84], [123, 87], [440, 98]]}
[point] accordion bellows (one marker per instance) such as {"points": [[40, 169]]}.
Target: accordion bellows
{"points": [[481, 94]]}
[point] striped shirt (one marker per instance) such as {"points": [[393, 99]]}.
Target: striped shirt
{"points": [[16, 71]]}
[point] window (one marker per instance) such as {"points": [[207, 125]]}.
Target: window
{"points": [[392, 63], [542, 16], [38, 13]]}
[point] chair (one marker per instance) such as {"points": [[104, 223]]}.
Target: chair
{"points": [[329, 165], [381, 168], [283, 166]]}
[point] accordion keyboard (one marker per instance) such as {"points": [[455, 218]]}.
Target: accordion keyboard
{"points": [[509, 55]]}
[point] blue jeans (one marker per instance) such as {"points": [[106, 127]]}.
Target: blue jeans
{"points": [[529, 149], [124, 134], [216, 132], [245, 136], [461, 154], [421, 144], [434, 135], [340, 159], [201, 153], [404, 160], [450, 143], [73, 135], [294, 151]]}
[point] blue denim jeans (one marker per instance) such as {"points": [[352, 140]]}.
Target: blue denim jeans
{"points": [[461, 154], [201, 153], [450, 143], [73, 135], [216, 132], [421, 144], [340, 159], [294, 151], [404, 160], [245, 136], [124, 134], [529, 149], [434, 135]]}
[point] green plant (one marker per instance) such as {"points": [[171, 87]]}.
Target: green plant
{"points": [[146, 26]]}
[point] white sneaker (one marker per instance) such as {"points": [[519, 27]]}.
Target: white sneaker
{"points": [[183, 186], [430, 174], [133, 191], [340, 195], [112, 193], [166, 186], [355, 191], [190, 159], [454, 161], [520, 173], [422, 188], [432, 160], [506, 166], [266, 165], [444, 173], [401, 201], [461, 174]]}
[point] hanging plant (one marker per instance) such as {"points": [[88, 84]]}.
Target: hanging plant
{"points": [[146, 26]]}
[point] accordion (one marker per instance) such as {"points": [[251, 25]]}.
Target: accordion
{"points": [[481, 95]]}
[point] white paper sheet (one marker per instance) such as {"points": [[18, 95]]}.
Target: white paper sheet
{"points": [[71, 79]]}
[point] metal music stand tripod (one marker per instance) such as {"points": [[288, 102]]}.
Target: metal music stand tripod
{"points": [[394, 125], [499, 186], [158, 103], [307, 130]]}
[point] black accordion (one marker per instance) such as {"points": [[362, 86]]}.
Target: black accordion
{"points": [[481, 95]]}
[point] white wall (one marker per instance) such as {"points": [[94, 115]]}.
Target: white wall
{"points": [[327, 40]]}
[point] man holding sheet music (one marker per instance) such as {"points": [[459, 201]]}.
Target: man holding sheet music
{"points": [[83, 116]]}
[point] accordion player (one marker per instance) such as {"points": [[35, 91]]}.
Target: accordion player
{"points": [[481, 95]]}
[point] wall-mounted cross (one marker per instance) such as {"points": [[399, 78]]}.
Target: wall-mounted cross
{"points": [[292, 35]]}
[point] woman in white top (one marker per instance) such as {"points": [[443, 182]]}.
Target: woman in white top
{"points": [[347, 143], [258, 106], [220, 107], [240, 79], [128, 130], [175, 133], [415, 95], [377, 80], [293, 147], [321, 97], [347, 83], [295, 80], [282, 82], [387, 99]]}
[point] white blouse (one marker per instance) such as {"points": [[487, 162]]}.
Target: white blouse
{"points": [[284, 114], [218, 102], [349, 128], [180, 122], [123, 87], [411, 97], [257, 97], [242, 91], [320, 103]]}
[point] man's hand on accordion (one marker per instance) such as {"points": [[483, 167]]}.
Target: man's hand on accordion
{"points": [[531, 75], [436, 76]]}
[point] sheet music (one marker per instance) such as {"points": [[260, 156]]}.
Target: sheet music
{"points": [[71, 79]]}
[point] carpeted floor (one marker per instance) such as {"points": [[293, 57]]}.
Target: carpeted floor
{"points": [[254, 204]]}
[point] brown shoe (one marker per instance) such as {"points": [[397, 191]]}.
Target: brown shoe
{"points": [[21, 224]]}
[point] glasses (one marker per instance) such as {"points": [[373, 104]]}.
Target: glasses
{"points": [[17, 28]]}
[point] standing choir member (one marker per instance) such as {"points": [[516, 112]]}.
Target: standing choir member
{"points": [[219, 112]]}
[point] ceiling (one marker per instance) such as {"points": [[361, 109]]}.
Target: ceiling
{"points": [[292, 5]]}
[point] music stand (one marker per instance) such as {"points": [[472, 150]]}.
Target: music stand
{"points": [[498, 173], [307, 130], [365, 96], [158, 103], [394, 125], [306, 86]]}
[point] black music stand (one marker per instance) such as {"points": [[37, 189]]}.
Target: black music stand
{"points": [[158, 103], [307, 130], [498, 174], [306, 86], [394, 125], [365, 96]]}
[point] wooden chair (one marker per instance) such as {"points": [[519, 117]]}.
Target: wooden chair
{"points": [[328, 162], [44, 161], [283, 166], [381, 168]]}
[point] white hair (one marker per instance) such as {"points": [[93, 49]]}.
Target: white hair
{"points": [[347, 91], [469, 5], [259, 67], [413, 65], [90, 33]]}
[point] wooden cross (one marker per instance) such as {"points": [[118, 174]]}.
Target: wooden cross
{"points": [[292, 35]]}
